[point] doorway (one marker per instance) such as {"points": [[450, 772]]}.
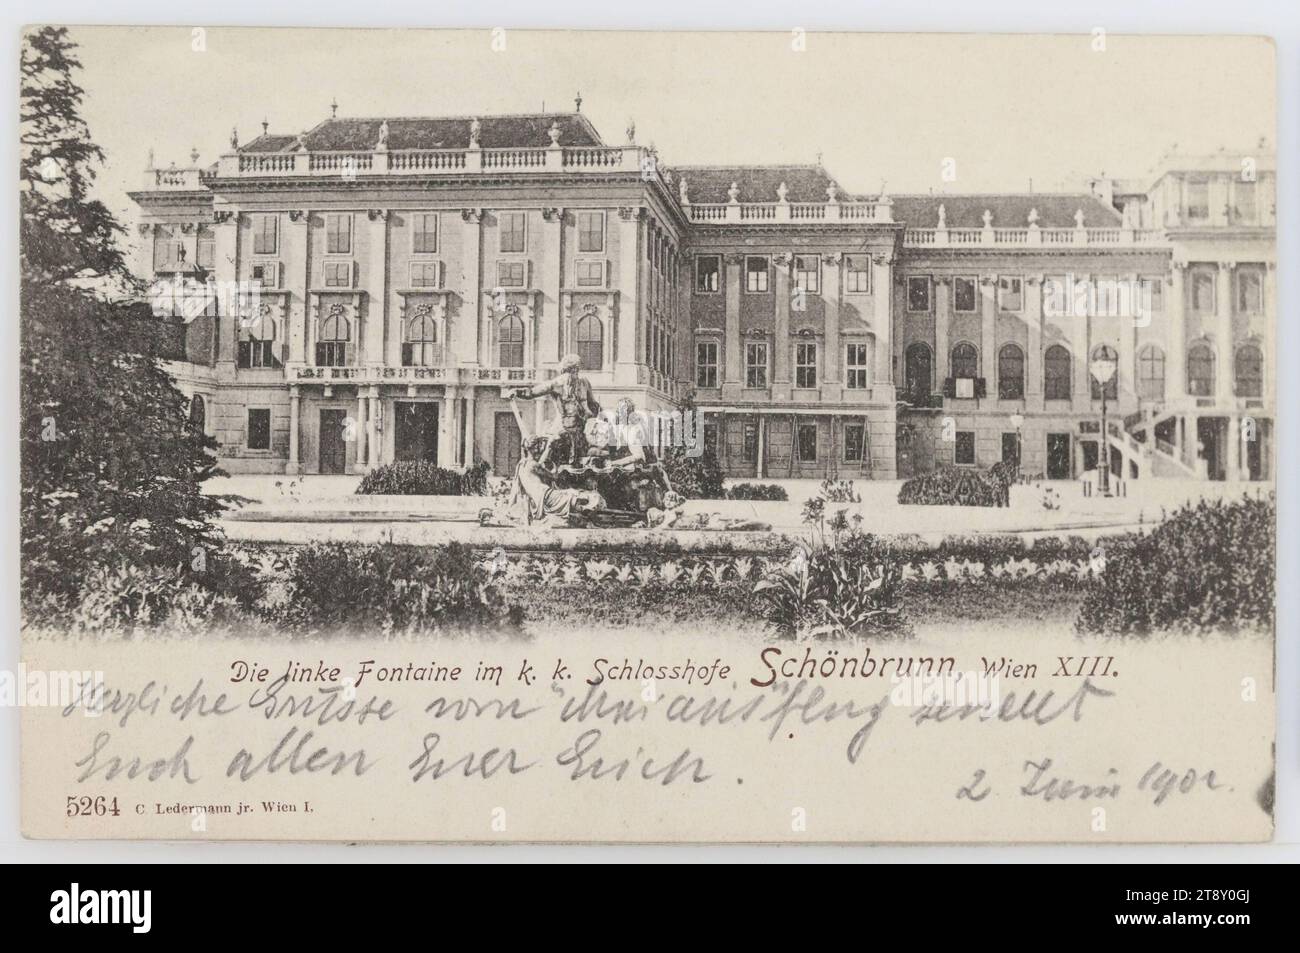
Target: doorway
{"points": [[416, 436], [1211, 439], [1058, 456], [505, 444], [333, 447], [1011, 449]]}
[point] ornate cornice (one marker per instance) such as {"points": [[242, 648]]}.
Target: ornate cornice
{"points": [[553, 214], [473, 216]]}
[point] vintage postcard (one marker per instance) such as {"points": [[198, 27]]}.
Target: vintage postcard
{"points": [[508, 436]]}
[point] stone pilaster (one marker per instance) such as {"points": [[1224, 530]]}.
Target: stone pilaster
{"points": [[472, 340], [1223, 342]]}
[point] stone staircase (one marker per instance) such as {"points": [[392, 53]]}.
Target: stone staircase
{"points": [[1134, 439]]}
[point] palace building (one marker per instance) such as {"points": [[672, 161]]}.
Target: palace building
{"points": [[374, 289]]}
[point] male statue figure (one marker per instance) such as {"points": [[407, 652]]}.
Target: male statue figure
{"points": [[577, 405]]}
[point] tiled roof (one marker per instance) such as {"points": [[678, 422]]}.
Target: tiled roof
{"points": [[496, 132], [1055, 210], [709, 184], [266, 143]]}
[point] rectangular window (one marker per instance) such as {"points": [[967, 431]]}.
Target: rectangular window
{"points": [[338, 274], [266, 273], [1243, 195], [807, 443], [338, 234], [964, 295], [964, 453], [708, 274], [808, 273], [855, 441], [512, 274], [1153, 295], [590, 274], [1203, 292], [424, 274], [1011, 293], [805, 365], [1250, 292], [857, 275], [207, 253], [706, 364], [855, 369], [591, 232], [424, 233], [166, 252], [756, 365], [265, 228], [512, 231], [254, 353], [259, 429], [756, 273], [918, 294], [1198, 199]]}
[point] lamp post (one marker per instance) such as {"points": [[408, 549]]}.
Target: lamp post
{"points": [[1103, 369], [1018, 421]]}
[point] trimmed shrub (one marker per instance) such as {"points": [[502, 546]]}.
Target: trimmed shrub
{"points": [[954, 486], [417, 478], [757, 491], [338, 586], [696, 478], [1207, 568]]}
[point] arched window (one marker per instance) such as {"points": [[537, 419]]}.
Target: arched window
{"points": [[1056, 373], [1104, 352], [510, 341], [421, 347], [917, 371], [257, 342], [198, 413], [1151, 373], [332, 341], [589, 337], [1250, 371], [1200, 370], [965, 361], [1011, 372]]}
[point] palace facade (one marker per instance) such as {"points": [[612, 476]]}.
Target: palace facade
{"points": [[374, 289]]}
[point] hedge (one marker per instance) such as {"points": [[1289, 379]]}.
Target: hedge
{"points": [[953, 486], [1207, 568], [757, 491], [417, 478]]}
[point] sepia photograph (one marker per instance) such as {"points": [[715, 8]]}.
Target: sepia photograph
{"points": [[648, 437]]}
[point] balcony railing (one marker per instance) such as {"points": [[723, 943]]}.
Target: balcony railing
{"points": [[395, 374], [181, 180], [580, 160], [1032, 237], [749, 213]]}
